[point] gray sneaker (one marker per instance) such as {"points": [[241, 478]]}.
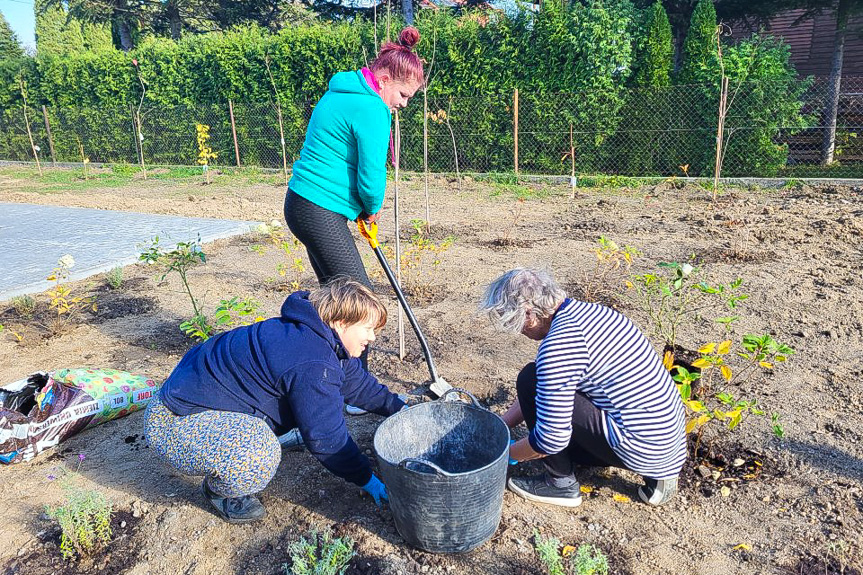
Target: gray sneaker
{"points": [[243, 509], [657, 491], [292, 440], [538, 488]]}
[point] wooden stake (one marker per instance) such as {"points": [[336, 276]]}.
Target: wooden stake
{"points": [[50, 139], [279, 115], [27, 123], [572, 180], [426, 155], [139, 144], [720, 129], [515, 129], [234, 131], [397, 145], [282, 139]]}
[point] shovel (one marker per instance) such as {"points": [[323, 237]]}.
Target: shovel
{"points": [[369, 230]]}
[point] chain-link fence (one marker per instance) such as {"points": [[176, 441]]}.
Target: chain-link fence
{"points": [[770, 131]]}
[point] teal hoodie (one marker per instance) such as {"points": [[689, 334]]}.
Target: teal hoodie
{"points": [[342, 166]]}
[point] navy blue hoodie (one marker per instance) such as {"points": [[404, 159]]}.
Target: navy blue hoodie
{"points": [[291, 371]]}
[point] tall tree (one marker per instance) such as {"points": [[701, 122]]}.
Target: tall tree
{"points": [[654, 60], [699, 49], [57, 32], [9, 46]]}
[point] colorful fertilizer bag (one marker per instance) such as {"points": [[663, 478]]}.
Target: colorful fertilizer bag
{"points": [[39, 412]]}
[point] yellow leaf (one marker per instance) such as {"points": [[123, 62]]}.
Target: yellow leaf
{"points": [[726, 372], [724, 347], [765, 364], [719, 414], [690, 425], [586, 489], [621, 498], [695, 406], [743, 547], [707, 348], [725, 491], [51, 278], [259, 318], [701, 363], [567, 549], [668, 360]]}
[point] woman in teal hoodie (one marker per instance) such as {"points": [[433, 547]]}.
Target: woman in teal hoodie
{"points": [[341, 173]]}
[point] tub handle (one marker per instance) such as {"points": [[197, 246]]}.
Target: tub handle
{"points": [[460, 390], [437, 469]]}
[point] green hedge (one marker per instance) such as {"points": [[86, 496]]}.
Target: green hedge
{"points": [[574, 65]]}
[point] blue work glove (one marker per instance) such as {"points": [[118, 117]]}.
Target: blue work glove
{"points": [[377, 490], [511, 460]]}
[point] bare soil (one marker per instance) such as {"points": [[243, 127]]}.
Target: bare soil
{"points": [[797, 511]]}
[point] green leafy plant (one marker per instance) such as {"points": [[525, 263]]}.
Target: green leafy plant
{"points": [[24, 306], [705, 393], [180, 260], [63, 305], [611, 261], [320, 554], [235, 312], [677, 294], [115, 277], [84, 517], [776, 426], [584, 560]]}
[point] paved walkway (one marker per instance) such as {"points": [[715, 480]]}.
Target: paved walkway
{"points": [[33, 238]]}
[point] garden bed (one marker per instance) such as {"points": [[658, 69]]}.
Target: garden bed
{"points": [[797, 511]]}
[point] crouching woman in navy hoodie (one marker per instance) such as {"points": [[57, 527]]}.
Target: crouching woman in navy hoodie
{"points": [[220, 411]]}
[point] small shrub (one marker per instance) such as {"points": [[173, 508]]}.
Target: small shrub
{"points": [[706, 394], [585, 560], [677, 294], [320, 554], [419, 257], [180, 260], [115, 277], [24, 306], [611, 262], [64, 307], [85, 521]]}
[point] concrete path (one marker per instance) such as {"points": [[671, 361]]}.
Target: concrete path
{"points": [[33, 238]]}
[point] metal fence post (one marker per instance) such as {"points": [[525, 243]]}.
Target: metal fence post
{"points": [[50, 139]]}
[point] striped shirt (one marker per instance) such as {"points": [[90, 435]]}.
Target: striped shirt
{"points": [[597, 351]]}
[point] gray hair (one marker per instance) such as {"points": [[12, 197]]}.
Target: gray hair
{"points": [[510, 298]]}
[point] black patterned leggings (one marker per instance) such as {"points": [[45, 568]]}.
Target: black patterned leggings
{"points": [[331, 247]]}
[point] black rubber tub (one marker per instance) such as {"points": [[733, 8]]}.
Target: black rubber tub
{"points": [[444, 464]]}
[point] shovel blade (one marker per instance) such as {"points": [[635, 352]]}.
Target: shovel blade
{"points": [[439, 386]]}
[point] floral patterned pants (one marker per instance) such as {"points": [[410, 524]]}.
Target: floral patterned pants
{"points": [[237, 453]]}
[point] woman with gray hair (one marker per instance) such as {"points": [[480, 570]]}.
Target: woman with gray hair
{"points": [[597, 394]]}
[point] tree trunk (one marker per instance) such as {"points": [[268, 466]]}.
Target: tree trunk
{"points": [[174, 19], [831, 107], [125, 34], [408, 11]]}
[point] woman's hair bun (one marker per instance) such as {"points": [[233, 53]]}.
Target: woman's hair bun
{"points": [[409, 37]]}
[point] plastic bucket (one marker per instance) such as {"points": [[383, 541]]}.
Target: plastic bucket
{"points": [[444, 464]]}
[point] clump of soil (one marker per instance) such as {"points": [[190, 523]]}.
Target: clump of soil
{"points": [[713, 466]]}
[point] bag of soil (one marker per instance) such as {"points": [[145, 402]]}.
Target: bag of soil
{"points": [[39, 412]]}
